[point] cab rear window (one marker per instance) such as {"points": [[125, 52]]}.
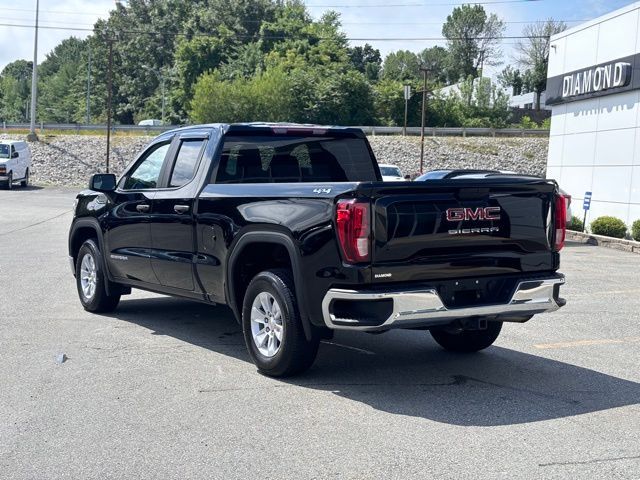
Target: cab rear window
{"points": [[286, 158]]}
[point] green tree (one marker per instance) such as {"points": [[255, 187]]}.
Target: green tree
{"points": [[512, 78], [14, 107], [366, 60], [294, 40], [246, 61], [533, 54], [60, 91], [473, 38], [15, 81], [440, 66], [265, 97], [403, 66], [346, 98]]}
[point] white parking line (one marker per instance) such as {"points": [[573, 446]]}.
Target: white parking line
{"points": [[583, 343]]}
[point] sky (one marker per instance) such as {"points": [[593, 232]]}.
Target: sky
{"points": [[364, 21]]}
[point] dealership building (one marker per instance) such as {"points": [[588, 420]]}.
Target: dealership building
{"points": [[593, 90]]}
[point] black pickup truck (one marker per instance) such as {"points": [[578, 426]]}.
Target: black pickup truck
{"points": [[293, 229]]}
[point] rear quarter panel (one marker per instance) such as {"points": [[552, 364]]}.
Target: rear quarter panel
{"points": [[302, 211]]}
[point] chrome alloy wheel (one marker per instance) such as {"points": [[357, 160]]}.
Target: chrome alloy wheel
{"points": [[88, 276], [266, 324]]}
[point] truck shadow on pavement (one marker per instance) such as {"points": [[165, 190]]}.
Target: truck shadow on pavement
{"points": [[406, 373]]}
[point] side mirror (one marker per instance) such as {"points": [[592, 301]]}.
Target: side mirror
{"points": [[407, 177], [15, 155], [103, 182]]}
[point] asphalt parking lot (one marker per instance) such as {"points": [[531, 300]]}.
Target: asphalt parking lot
{"points": [[163, 388]]}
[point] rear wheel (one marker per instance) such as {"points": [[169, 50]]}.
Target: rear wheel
{"points": [[91, 281], [459, 340], [272, 326], [25, 181]]}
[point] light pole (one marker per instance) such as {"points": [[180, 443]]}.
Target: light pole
{"points": [[89, 85], [32, 137], [160, 76], [424, 69], [109, 38]]}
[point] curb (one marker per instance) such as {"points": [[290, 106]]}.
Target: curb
{"points": [[602, 241]]}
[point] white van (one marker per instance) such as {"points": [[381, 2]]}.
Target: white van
{"points": [[150, 122], [15, 162]]}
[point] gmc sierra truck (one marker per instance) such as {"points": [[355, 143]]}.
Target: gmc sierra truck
{"points": [[292, 227]]}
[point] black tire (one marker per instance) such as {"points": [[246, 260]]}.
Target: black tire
{"points": [[9, 184], [25, 182], [295, 353], [99, 301], [467, 340]]}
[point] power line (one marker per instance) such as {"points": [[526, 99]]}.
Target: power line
{"points": [[519, 22], [277, 37], [443, 4], [360, 5], [515, 22], [53, 12]]}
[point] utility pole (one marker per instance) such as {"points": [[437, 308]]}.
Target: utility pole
{"points": [[164, 101], [423, 69], [32, 137], [109, 97], [89, 86]]}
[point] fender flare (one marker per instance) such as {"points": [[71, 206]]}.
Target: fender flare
{"points": [[94, 225], [268, 237]]}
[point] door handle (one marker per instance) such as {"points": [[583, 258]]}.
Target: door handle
{"points": [[180, 209], [142, 208]]}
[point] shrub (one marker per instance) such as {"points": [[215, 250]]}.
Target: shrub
{"points": [[546, 124], [609, 226], [527, 123], [575, 224], [635, 230]]}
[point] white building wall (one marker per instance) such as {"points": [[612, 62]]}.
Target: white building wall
{"points": [[526, 99], [595, 143]]}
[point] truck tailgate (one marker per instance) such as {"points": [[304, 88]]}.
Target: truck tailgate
{"points": [[462, 228]]}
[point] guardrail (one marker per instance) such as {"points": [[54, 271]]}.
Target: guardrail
{"points": [[73, 127], [459, 131], [369, 130]]}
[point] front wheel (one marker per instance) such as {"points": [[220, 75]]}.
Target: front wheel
{"points": [[90, 280], [25, 181], [466, 340], [9, 184], [272, 326]]}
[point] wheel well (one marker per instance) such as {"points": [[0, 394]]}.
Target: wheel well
{"points": [[254, 258], [80, 236]]}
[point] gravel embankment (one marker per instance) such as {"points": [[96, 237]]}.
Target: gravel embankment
{"points": [[69, 160], [520, 155]]}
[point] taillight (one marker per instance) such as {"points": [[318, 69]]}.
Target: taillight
{"points": [[354, 229], [560, 222]]}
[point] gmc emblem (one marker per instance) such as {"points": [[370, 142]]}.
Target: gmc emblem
{"points": [[462, 214]]}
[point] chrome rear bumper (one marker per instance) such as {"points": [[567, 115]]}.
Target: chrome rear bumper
{"points": [[425, 308]]}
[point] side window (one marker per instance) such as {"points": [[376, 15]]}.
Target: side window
{"points": [[147, 173], [186, 162]]}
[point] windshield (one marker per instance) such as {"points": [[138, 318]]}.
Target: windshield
{"points": [[4, 151], [390, 171]]}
